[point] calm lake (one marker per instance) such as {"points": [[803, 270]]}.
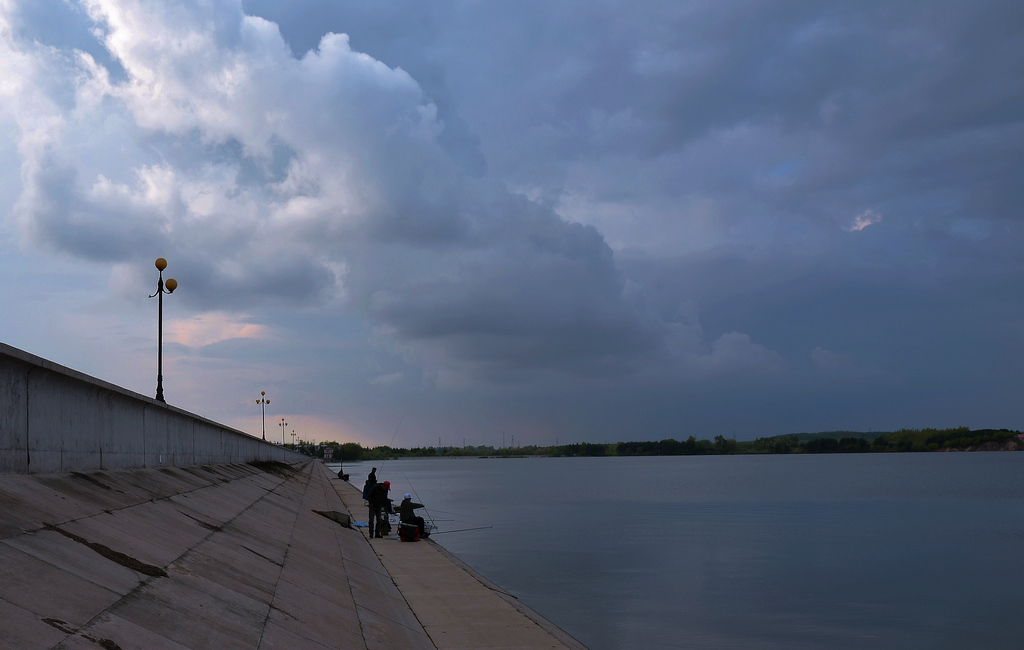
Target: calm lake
{"points": [[801, 551]]}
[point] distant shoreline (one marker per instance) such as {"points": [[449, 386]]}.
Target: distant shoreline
{"points": [[960, 439]]}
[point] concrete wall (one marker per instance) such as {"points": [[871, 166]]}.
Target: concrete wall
{"points": [[54, 419]]}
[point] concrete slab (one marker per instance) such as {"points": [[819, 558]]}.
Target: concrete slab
{"points": [[49, 592], [146, 485], [384, 634], [24, 629], [94, 494], [250, 543], [218, 503], [67, 555], [300, 601], [265, 520], [109, 631], [109, 531], [193, 617], [234, 568], [492, 635], [302, 568], [27, 503], [286, 633]]}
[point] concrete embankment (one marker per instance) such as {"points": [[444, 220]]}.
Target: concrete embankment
{"points": [[129, 524], [230, 556]]}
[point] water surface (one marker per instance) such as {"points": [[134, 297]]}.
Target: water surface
{"points": [[801, 551]]}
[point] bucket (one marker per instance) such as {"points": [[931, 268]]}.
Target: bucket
{"points": [[409, 533]]}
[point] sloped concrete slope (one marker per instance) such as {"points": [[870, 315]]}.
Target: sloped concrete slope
{"points": [[228, 556]]}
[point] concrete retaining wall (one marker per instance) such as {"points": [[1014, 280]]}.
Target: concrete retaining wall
{"points": [[54, 419]]}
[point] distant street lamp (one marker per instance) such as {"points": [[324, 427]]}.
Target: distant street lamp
{"points": [[171, 285], [283, 425], [263, 401], [293, 437]]}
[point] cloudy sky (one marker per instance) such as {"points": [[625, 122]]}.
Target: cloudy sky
{"points": [[562, 219]]}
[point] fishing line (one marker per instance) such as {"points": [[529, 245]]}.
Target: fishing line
{"points": [[446, 512], [459, 516], [462, 530], [413, 487]]}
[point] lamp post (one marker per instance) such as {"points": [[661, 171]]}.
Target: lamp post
{"points": [[293, 437], [263, 401], [171, 285], [283, 425]]}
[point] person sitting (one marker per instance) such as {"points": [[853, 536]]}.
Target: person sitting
{"points": [[380, 507], [407, 515]]}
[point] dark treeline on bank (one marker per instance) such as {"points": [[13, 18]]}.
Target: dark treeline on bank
{"points": [[904, 440]]}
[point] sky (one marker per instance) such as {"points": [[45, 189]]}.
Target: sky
{"points": [[455, 222]]}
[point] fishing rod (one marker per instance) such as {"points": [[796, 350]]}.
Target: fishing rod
{"points": [[431, 518], [400, 420], [425, 511]]}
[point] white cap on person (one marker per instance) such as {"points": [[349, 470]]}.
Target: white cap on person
{"points": [[408, 496]]}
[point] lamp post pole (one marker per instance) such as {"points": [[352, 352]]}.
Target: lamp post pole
{"points": [[283, 425], [171, 285], [263, 401]]}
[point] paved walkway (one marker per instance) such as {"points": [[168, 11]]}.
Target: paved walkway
{"points": [[230, 556], [456, 607]]}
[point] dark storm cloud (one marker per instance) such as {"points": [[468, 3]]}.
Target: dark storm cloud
{"points": [[548, 296], [736, 216], [834, 107]]}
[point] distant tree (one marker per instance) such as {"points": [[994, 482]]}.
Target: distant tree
{"points": [[783, 445], [820, 446], [349, 451], [722, 445], [691, 446], [854, 445]]}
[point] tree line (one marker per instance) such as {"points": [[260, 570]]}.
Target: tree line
{"points": [[833, 442]]}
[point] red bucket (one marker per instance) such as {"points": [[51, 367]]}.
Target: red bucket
{"points": [[409, 533]]}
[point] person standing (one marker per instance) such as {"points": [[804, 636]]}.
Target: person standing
{"points": [[371, 480], [380, 506]]}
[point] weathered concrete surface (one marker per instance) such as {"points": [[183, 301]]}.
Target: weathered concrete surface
{"points": [[54, 419], [457, 608], [199, 557], [230, 556]]}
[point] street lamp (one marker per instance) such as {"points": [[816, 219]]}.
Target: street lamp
{"points": [[263, 401], [171, 285], [293, 437], [283, 425]]}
